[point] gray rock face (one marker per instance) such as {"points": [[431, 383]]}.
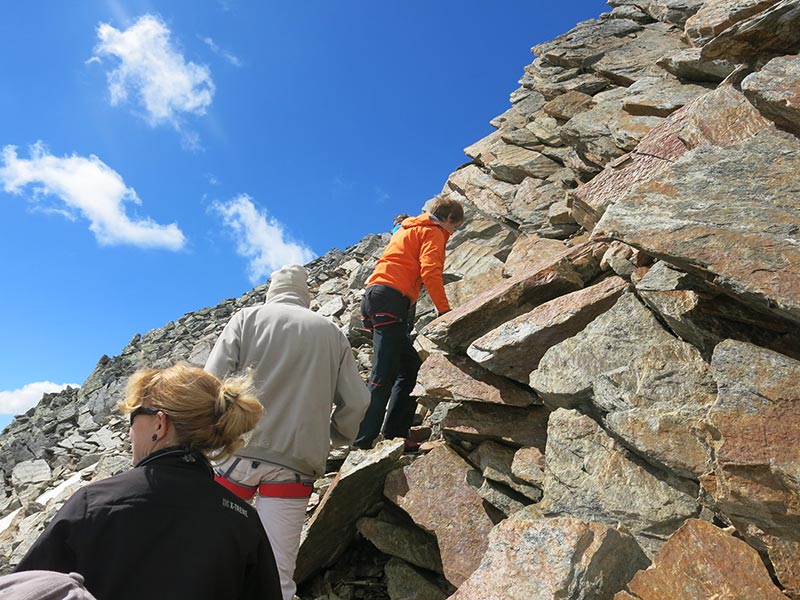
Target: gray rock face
{"points": [[553, 559], [775, 91], [515, 348], [590, 476], [759, 215], [567, 371]]}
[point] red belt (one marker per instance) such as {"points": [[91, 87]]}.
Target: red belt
{"points": [[289, 489]]}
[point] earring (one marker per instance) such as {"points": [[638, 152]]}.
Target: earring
{"points": [[154, 437]]}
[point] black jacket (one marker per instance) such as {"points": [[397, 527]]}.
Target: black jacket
{"points": [[163, 530]]}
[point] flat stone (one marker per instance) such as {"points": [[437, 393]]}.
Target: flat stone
{"points": [[459, 327], [689, 65], [702, 561], [515, 348], [481, 189], [755, 424], [715, 16], [356, 488], [585, 43], [695, 211], [434, 491], [567, 105], [405, 541], [457, 378], [775, 91], [552, 559], [30, 472], [660, 97], [719, 118], [704, 317], [476, 422], [566, 373], [590, 476], [675, 12], [404, 582], [773, 32]]}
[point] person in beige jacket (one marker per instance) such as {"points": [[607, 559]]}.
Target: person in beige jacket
{"points": [[306, 377]]}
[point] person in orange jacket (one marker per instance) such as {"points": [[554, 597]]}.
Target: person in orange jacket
{"points": [[413, 257]]}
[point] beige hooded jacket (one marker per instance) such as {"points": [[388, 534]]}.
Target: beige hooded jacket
{"points": [[303, 371]]}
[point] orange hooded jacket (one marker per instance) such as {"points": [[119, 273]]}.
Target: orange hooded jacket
{"points": [[415, 256]]}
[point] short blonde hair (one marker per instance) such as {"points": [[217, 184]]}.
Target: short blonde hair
{"points": [[208, 415]]}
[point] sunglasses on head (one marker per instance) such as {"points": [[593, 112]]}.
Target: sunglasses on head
{"points": [[142, 410]]}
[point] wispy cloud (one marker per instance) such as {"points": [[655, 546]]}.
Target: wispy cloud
{"points": [[153, 72], [260, 238], [87, 187], [16, 402], [215, 48]]}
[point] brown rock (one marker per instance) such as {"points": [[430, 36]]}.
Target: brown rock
{"points": [[496, 463], [434, 491], [531, 253], [719, 118], [458, 328], [715, 16], [568, 105], [528, 465], [775, 91], [552, 559], [356, 488], [755, 429], [774, 32], [458, 378], [702, 561], [477, 422], [515, 348], [695, 212]]}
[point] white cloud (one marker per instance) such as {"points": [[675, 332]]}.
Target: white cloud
{"points": [[88, 187], [18, 401], [260, 238], [231, 58], [152, 70]]}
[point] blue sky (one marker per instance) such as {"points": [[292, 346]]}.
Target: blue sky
{"points": [[159, 157]]}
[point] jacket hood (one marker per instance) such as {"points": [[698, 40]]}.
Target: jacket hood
{"points": [[289, 284]]}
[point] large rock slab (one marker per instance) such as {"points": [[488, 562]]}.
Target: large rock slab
{"points": [[404, 582], [696, 212], [512, 163], [585, 43], [476, 422], [756, 439], [356, 488], [552, 559], [702, 561], [775, 91], [638, 56], [704, 317], [567, 371], [459, 327], [590, 476], [457, 378], [675, 12], [689, 65], [607, 130], [719, 118], [531, 253], [403, 540], [434, 491], [774, 32], [657, 406], [515, 348], [715, 16]]}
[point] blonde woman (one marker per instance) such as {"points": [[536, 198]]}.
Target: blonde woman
{"points": [[165, 529]]}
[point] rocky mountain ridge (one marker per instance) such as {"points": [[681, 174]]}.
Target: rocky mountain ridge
{"points": [[613, 400]]}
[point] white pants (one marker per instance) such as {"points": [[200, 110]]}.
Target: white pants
{"points": [[282, 518]]}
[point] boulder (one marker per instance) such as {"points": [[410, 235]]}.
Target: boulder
{"points": [[515, 348], [552, 559], [477, 422], [434, 491], [702, 561], [356, 488], [590, 476], [715, 16], [694, 212], [775, 91]]}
